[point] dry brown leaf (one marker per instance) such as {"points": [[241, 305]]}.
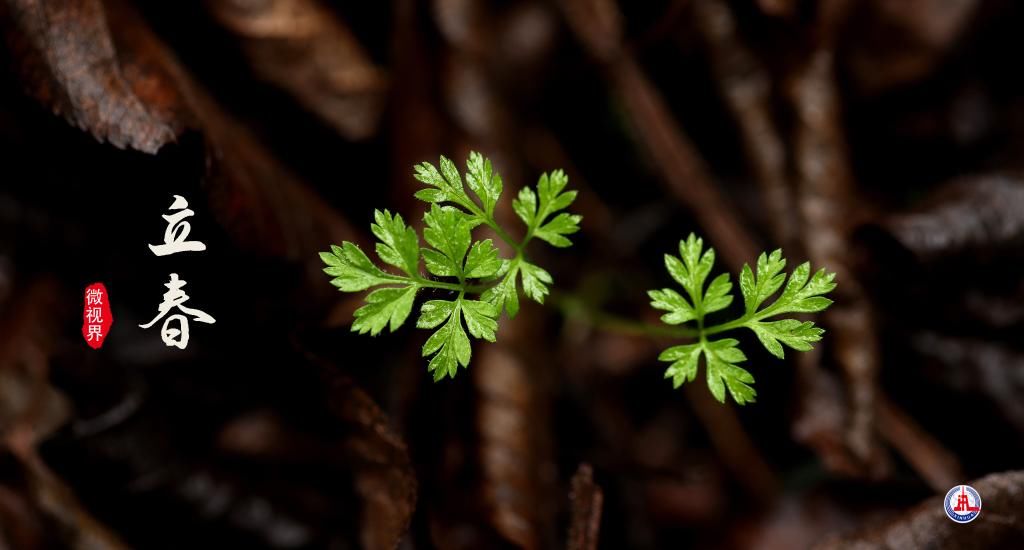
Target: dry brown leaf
{"points": [[262, 204], [305, 49], [31, 409], [901, 42], [1000, 524], [508, 455], [68, 61], [970, 216], [383, 471]]}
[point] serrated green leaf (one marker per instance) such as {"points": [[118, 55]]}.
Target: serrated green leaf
{"points": [[525, 206], [769, 279], [549, 190], [450, 173], [434, 313], [331, 259], [483, 260], [483, 181], [384, 306], [450, 251], [553, 231], [684, 363], [505, 295], [431, 195], [717, 296], [795, 334], [679, 310], [448, 231], [428, 174], [399, 245], [535, 209], [447, 183], [439, 264], [481, 319], [801, 295], [550, 195], [351, 269], [698, 265], [449, 345], [722, 356], [691, 269], [535, 281]]}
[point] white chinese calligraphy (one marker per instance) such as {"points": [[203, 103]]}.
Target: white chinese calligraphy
{"points": [[176, 240], [175, 297], [93, 296], [176, 234]]}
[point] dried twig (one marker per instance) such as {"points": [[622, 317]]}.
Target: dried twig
{"points": [[827, 203], [937, 465], [597, 26], [508, 454], [733, 445], [586, 499], [746, 86]]}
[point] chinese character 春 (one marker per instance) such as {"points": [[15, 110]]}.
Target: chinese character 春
{"points": [[175, 297], [94, 315], [176, 234], [95, 333], [93, 296]]}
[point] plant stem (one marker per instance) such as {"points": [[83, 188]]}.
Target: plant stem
{"points": [[503, 235], [423, 282], [575, 308], [737, 323], [489, 221]]}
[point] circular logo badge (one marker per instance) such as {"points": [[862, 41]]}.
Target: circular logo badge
{"points": [[963, 504]]}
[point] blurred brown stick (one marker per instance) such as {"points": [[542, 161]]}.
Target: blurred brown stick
{"points": [[597, 26], [586, 499], [746, 86]]}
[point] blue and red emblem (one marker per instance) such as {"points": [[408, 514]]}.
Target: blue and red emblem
{"points": [[963, 504]]}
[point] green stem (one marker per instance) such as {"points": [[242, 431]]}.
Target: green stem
{"points": [[427, 283], [575, 308], [493, 224], [503, 235], [737, 323]]}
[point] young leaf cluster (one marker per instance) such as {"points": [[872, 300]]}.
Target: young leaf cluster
{"points": [[480, 282], [802, 292]]}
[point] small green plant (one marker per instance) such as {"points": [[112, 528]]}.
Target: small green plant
{"points": [[454, 261], [802, 293]]}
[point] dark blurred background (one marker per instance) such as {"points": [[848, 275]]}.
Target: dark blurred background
{"points": [[881, 140]]}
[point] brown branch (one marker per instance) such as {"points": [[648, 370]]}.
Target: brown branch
{"points": [[937, 465], [746, 87], [596, 24], [732, 444], [586, 499], [827, 201], [508, 455]]}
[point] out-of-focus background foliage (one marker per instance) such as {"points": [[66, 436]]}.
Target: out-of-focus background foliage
{"points": [[879, 139]]}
